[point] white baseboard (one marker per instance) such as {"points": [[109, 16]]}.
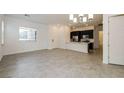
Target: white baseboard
{"points": [[18, 52]]}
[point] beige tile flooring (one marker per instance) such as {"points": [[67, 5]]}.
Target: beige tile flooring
{"points": [[57, 63]]}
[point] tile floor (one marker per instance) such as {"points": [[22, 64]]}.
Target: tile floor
{"points": [[58, 63]]}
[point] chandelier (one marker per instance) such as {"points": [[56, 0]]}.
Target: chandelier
{"points": [[80, 18]]}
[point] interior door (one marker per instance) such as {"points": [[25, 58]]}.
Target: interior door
{"points": [[116, 40]]}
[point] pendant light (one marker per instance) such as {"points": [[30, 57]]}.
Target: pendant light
{"points": [[75, 20], [90, 16], [71, 16], [84, 19]]}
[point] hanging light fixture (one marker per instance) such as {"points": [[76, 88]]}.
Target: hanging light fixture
{"points": [[81, 18], [81, 15], [71, 16], [84, 19], [75, 20], [90, 16]]}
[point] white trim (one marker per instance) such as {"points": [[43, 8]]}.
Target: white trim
{"points": [[105, 39], [25, 51], [2, 32]]}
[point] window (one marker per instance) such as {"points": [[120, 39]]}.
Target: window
{"points": [[27, 33]]}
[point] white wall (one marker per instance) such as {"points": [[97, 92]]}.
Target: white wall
{"points": [[64, 36], [1, 50], [0, 40], [59, 35], [12, 43], [105, 39], [53, 37]]}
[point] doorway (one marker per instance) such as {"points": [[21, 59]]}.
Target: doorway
{"points": [[100, 33]]}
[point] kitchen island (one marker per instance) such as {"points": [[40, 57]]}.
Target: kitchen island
{"points": [[78, 46]]}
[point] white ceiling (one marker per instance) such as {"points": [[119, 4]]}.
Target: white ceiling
{"points": [[51, 18]]}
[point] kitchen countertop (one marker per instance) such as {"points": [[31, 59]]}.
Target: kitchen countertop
{"points": [[80, 42]]}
